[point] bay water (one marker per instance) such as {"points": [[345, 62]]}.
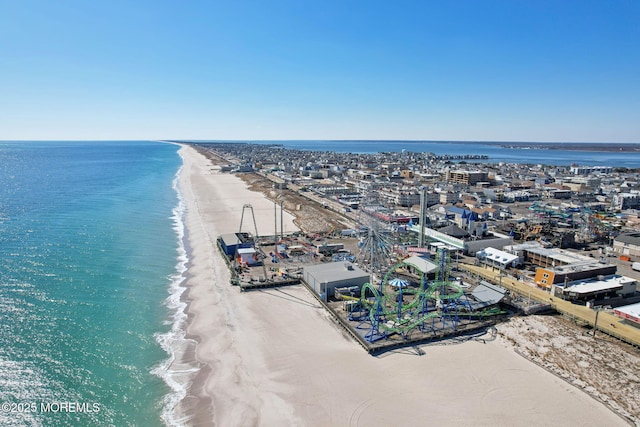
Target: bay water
{"points": [[497, 152]]}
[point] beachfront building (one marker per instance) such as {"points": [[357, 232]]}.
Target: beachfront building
{"points": [[486, 295], [231, 242], [546, 277], [601, 288], [630, 313], [244, 168], [325, 278]]}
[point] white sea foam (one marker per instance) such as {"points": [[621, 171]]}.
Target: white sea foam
{"points": [[175, 372]]}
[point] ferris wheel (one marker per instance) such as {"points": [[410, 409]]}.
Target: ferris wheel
{"points": [[376, 239]]}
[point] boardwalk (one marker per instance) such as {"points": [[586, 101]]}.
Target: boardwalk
{"points": [[606, 322]]}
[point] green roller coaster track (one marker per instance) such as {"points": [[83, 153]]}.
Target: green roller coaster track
{"points": [[388, 312]]}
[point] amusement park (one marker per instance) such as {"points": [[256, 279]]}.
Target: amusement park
{"points": [[408, 305], [378, 280]]}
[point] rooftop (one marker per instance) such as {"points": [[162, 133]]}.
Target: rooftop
{"points": [[631, 312], [497, 255], [580, 266], [596, 285], [420, 263], [561, 255], [335, 271], [633, 238]]}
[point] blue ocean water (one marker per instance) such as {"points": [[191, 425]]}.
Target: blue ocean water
{"points": [[497, 151], [90, 251]]}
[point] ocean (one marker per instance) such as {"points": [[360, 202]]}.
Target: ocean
{"points": [[91, 263]]}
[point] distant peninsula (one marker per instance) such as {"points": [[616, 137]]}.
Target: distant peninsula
{"points": [[575, 146]]}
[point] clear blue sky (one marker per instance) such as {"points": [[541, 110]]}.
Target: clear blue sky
{"points": [[332, 69]]}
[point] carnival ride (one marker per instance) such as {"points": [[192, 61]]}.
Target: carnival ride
{"points": [[376, 242], [404, 303], [257, 257], [598, 226], [545, 211]]}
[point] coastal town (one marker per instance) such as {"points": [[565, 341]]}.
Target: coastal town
{"points": [[505, 238], [568, 230]]}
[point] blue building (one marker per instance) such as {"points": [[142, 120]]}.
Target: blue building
{"points": [[231, 242]]}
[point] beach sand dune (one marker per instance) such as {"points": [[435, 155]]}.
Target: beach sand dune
{"points": [[274, 357]]}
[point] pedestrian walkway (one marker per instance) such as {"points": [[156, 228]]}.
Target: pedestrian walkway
{"points": [[601, 320]]}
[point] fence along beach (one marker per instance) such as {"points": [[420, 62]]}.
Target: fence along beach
{"points": [[274, 357]]}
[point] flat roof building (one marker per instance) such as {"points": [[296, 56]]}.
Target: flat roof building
{"points": [[324, 278], [599, 288], [497, 258], [548, 276], [586, 170], [627, 244], [420, 264], [468, 246], [629, 312], [549, 257], [231, 242], [486, 295], [466, 177]]}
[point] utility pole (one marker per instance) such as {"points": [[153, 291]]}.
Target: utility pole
{"points": [[423, 215], [281, 221], [281, 214]]}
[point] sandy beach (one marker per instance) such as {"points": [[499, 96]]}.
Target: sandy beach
{"points": [[274, 358]]}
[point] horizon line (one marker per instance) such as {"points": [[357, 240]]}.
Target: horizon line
{"points": [[482, 141]]}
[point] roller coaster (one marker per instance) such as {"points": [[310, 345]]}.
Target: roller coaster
{"points": [[404, 307]]}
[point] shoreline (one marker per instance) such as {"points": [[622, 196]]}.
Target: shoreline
{"points": [[195, 404], [177, 368], [274, 357], [207, 282]]}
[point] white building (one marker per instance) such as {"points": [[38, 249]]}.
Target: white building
{"points": [[587, 170], [601, 287], [629, 312], [497, 258], [626, 200]]}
